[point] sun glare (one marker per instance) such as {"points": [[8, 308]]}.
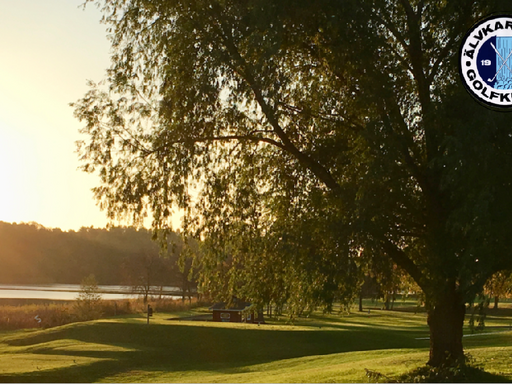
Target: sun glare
{"points": [[17, 203]]}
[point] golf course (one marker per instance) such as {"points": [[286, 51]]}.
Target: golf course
{"points": [[365, 346]]}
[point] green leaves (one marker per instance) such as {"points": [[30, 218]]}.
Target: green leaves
{"points": [[302, 141]]}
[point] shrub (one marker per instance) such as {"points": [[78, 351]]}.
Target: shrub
{"points": [[35, 315], [54, 314], [88, 302], [458, 372]]}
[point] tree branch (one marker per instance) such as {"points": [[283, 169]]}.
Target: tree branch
{"points": [[443, 54], [327, 117], [216, 138], [241, 67], [404, 262]]}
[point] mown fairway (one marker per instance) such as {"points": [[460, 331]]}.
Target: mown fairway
{"points": [[318, 349]]}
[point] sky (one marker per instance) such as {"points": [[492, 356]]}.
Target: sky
{"points": [[48, 51]]}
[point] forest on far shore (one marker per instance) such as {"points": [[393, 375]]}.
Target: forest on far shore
{"points": [[33, 254]]}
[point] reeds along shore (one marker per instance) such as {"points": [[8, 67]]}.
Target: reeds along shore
{"points": [[30, 313]]}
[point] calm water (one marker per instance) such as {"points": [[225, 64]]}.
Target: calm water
{"points": [[67, 291]]}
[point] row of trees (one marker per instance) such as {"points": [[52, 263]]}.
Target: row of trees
{"points": [[324, 138], [127, 256], [33, 254], [390, 284]]}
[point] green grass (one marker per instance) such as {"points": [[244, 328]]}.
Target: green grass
{"points": [[321, 348]]}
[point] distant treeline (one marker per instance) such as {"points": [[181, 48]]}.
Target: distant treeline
{"points": [[33, 254]]}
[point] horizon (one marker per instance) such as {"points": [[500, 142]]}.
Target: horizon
{"points": [[106, 227]]}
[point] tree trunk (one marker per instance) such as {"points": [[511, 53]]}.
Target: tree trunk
{"points": [[496, 300], [361, 302], [183, 287], [446, 320]]}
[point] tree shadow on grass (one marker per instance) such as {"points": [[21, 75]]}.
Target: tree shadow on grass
{"points": [[182, 347], [73, 374]]}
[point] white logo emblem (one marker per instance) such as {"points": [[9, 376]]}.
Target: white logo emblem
{"points": [[485, 61]]}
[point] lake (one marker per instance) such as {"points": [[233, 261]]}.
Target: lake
{"points": [[70, 291]]}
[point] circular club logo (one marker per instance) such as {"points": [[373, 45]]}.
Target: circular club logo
{"points": [[485, 62]]}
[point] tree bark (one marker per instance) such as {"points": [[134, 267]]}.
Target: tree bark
{"points": [[496, 300], [445, 320]]}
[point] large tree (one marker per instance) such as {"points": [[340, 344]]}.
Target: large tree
{"points": [[319, 135]]}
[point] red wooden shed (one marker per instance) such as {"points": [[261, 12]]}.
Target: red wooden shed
{"points": [[237, 311]]}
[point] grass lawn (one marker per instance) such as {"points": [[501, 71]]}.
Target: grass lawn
{"points": [[321, 348]]}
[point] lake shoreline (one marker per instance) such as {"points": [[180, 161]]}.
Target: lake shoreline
{"points": [[69, 292]]}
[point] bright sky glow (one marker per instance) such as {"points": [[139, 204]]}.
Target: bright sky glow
{"points": [[48, 50]]}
